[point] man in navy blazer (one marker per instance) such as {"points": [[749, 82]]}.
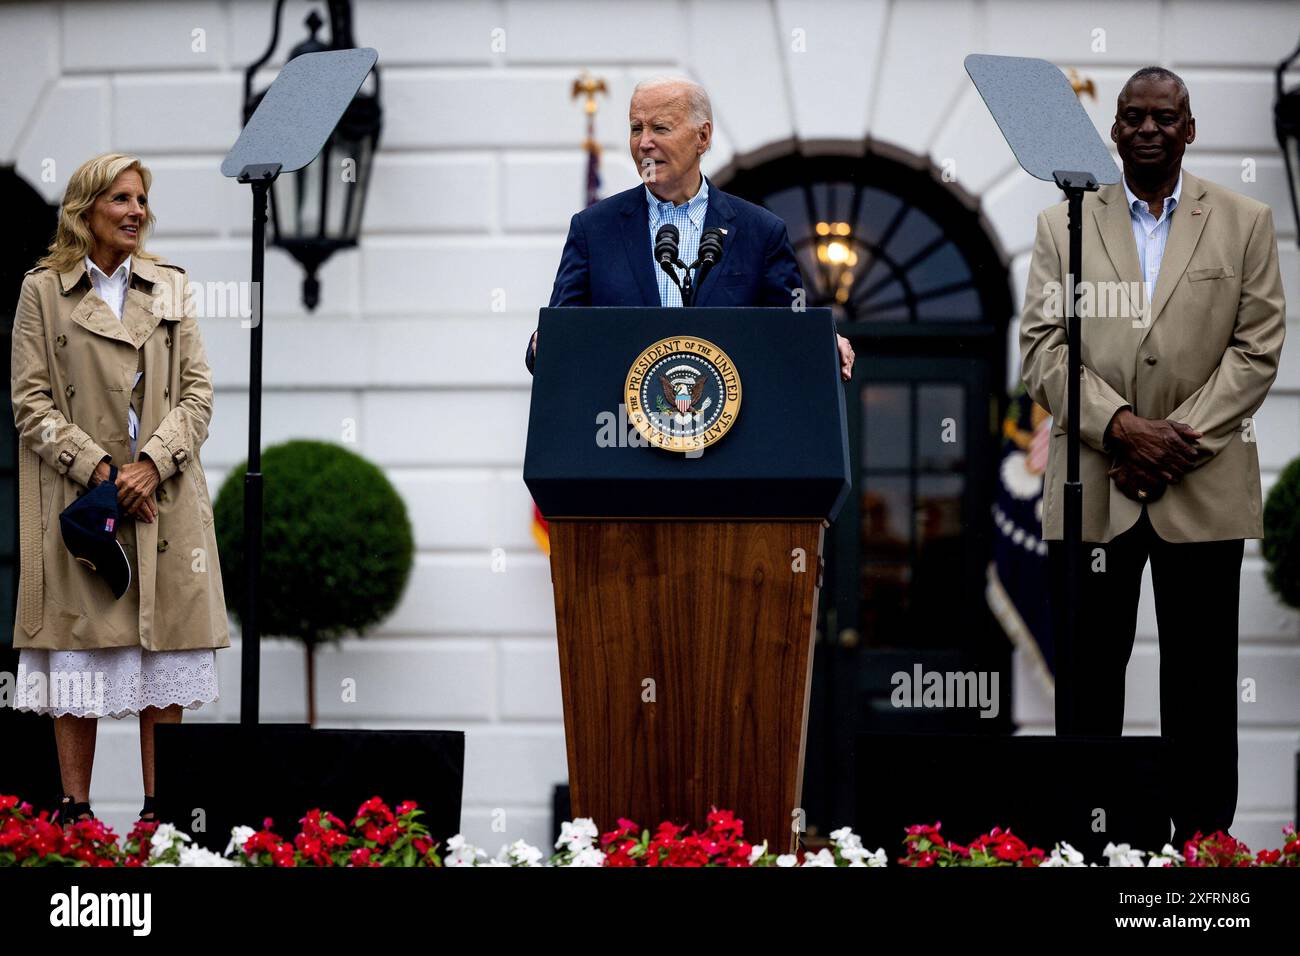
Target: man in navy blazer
{"points": [[607, 258]]}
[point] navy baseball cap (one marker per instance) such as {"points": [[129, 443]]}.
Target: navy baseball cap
{"points": [[90, 532]]}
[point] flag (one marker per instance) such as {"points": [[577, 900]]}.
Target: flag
{"points": [[541, 531], [593, 171], [1017, 586]]}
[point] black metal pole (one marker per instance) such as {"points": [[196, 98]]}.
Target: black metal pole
{"points": [[260, 178], [1075, 185]]}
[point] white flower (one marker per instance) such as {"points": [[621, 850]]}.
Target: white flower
{"points": [[198, 856], [822, 857], [462, 853], [164, 837], [1168, 850], [1064, 855], [1122, 855], [520, 853], [787, 859], [1168, 856], [238, 837], [845, 836], [588, 857], [757, 851], [850, 846], [861, 856], [577, 835], [464, 858]]}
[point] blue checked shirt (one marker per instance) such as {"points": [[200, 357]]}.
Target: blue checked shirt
{"points": [[689, 220], [1149, 233]]}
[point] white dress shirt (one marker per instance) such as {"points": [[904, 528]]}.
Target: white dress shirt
{"points": [[112, 289], [1151, 234]]}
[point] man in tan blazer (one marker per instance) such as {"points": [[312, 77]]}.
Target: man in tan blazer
{"points": [[1182, 326]]}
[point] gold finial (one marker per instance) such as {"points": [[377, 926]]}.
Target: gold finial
{"points": [[1080, 85], [589, 86]]}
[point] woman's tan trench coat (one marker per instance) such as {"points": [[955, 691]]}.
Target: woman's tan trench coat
{"points": [[74, 363]]}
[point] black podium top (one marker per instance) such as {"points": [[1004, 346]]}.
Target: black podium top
{"points": [[785, 456]]}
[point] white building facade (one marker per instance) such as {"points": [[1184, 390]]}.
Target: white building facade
{"points": [[414, 358]]}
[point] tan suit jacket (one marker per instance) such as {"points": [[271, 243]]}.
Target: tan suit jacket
{"points": [[1205, 353]]}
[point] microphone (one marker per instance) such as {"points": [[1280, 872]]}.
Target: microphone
{"points": [[710, 247], [666, 241], [710, 253]]}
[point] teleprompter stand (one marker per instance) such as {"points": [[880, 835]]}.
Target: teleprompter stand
{"points": [[232, 774]]}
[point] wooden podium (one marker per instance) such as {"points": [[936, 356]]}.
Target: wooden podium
{"points": [[686, 587]]}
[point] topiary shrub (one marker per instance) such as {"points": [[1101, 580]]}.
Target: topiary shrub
{"points": [[1281, 545], [337, 546]]}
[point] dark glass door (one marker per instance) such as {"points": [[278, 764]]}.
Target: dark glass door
{"points": [[905, 564]]}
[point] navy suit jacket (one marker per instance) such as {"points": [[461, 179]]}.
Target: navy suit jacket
{"points": [[606, 258]]}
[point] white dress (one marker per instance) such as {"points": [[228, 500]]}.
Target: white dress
{"points": [[119, 680]]}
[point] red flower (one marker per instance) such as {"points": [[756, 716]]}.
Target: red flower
{"points": [[1010, 849], [668, 831], [282, 855], [626, 829], [620, 857], [726, 822], [375, 810], [310, 847], [1218, 849], [918, 828]]}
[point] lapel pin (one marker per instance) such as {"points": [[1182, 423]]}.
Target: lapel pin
{"points": [[1196, 211]]}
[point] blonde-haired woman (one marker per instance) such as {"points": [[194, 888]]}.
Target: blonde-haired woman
{"points": [[108, 368]]}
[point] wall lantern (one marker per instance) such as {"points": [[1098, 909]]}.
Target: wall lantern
{"points": [[318, 209], [837, 257]]}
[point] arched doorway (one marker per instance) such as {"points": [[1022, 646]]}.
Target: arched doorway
{"points": [[30, 767], [21, 248], [921, 288]]}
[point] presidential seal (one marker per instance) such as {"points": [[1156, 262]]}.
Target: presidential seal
{"points": [[682, 394]]}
